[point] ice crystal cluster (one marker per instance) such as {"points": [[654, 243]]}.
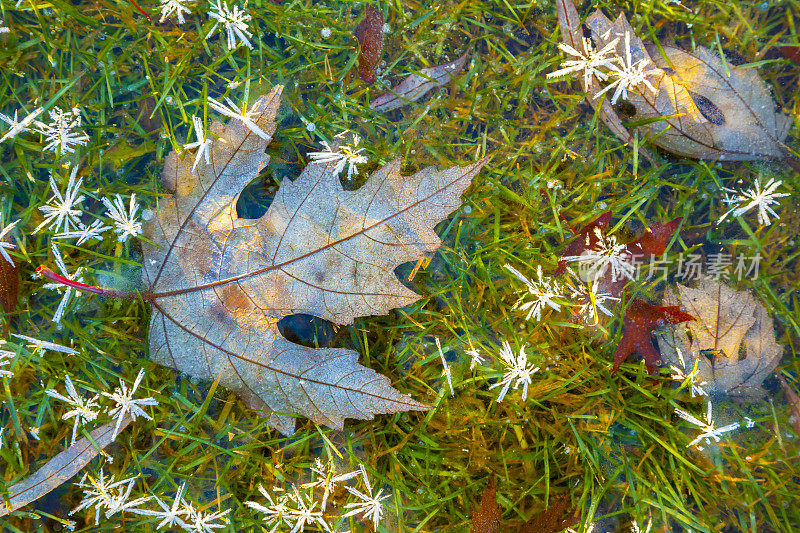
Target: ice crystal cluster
{"points": [[621, 73]]}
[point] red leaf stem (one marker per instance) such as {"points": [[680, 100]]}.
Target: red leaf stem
{"points": [[110, 293], [142, 11]]}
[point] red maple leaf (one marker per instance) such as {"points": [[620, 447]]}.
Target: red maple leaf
{"points": [[641, 318], [369, 33]]}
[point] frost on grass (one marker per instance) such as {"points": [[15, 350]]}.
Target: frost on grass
{"points": [[327, 479], [170, 515], [708, 429], [369, 504], [18, 126], [475, 358], [588, 298], [233, 22], [4, 245], [43, 346], [83, 409], [343, 154], [174, 7], [203, 144], [761, 197], [682, 374], [63, 132], [6, 357], [61, 210], [605, 64], [291, 509], [603, 252], [517, 371], [126, 223], [184, 515], [127, 405], [103, 492], [85, 233], [229, 109], [542, 293], [445, 367], [303, 507], [629, 74], [592, 63], [67, 291]]}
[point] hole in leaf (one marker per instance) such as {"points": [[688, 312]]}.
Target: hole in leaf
{"points": [[307, 330], [626, 108], [734, 58], [707, 108], [254, 200], [742, 353], [403, 272]]}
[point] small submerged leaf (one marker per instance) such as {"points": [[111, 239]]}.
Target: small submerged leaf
{"points": [[148, 116], [791, 53], [417, 85], [60, 468], [9, 285], [369, 33], [557, 517], [794, 403], [704, 106]]}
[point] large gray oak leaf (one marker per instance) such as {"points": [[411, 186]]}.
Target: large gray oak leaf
{"points": [[220, 284]]}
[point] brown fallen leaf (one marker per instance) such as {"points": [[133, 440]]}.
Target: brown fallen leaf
{"points": [[794, 403], [572, 35], [369, 33], [417, 85], [557, 517], [486, 518], [702, 106], [60, 468], [732, 341], [9, 284], [219, 284]]}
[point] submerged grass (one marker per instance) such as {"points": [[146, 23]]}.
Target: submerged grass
{"points": [[610, 442]]}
